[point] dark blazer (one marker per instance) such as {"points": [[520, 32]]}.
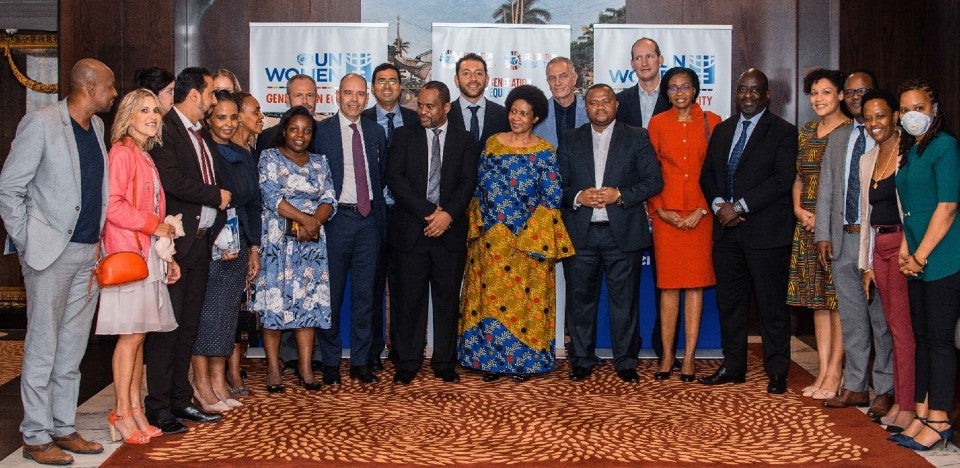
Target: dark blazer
{"points": [[182, 181], [494, 120], [764, 180], [409, 116], [407, 179], [326, 140], [242, 178], [628, 110], [631, 166]]}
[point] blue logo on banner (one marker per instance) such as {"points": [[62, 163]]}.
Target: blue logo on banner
{"points": [[324, 67], [704, 64]]}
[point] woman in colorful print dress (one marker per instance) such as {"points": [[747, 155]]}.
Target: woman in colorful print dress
{"points": [[508, 310]]}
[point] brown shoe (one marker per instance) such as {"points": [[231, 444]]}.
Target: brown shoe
{"points": [[881, 406], [848, 398], [46, 454], [76, 444]]}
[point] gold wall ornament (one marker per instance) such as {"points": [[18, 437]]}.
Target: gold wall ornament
{"points": [[11, 42]]}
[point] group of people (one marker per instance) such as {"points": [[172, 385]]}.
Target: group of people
{"points": [[469, 205]]}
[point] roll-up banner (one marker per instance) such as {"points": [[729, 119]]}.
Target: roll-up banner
{"points": [[705, 48], [516, 54], [325, 51]]}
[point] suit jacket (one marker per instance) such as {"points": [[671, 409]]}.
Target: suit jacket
{"points": [[327, 141], [130, 213], [407, 178], [629, 112], [494, 121], [829, 219], [764, 180], [868, 163], [182, 181], [547, 129], [409, 116], [40, 184], [631, 166]]}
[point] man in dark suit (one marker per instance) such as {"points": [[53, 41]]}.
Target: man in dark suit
{"points": [[354, 147], [432, 173], [390, 115], [748, 175], [189, 172], [471, 111], [638, 103], [301, 91], [608, 169]]}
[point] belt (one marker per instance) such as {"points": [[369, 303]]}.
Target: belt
{"points": [[600, 223], [889, 229], [851, 228], [347, 206], [201, 232]]}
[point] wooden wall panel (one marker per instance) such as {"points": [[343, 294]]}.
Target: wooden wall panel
{"points": [[88, 28], [147, 40]]}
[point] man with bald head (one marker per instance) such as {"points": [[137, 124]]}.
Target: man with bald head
{"points": [[53, 201], [639, 103], [748, 176]]}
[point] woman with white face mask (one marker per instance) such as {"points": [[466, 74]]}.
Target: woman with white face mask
{"points": [[928, 184]]}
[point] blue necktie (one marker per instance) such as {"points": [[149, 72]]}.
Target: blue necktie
{"points": [[851, 210], [474, 123], [390, 127], [734, 161]]}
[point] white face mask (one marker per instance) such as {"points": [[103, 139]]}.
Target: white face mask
{"points": [[917, 123]]}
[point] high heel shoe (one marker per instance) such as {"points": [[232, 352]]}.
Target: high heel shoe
{"points": [[135, 437], [311, 386], [490, 376], [821, 394], [688, 377], [660, 375], [229, 401], [150, 430], [218, 407], [809, 390], [944, 437]]}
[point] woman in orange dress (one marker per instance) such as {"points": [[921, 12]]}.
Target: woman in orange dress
{"points": [[682, 238]]}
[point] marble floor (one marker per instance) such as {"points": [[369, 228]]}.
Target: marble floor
{"points": [[92, 415]]}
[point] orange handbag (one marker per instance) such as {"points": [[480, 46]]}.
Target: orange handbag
{"points": [[121, 267]]}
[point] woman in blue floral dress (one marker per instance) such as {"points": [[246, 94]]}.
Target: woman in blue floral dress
{"points": [[508, 308], [293, 288]]}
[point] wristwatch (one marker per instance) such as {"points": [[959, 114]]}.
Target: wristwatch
{"points": [[619, 200], [737, 207]]}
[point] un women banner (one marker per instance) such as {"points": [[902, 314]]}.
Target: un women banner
{"points": [[325, 51], [516, 54], [707, 49]]}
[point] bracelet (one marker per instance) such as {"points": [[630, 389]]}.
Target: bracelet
{"points": [[255, 248], [917, 261]]}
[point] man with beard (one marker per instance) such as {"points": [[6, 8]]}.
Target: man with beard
{"points": [[471, 111]]}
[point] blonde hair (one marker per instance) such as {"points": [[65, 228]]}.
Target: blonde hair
{"points": [[128, 106], [228, 74]]}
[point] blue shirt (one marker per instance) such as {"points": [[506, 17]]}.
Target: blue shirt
{"points": [[87, 229]]}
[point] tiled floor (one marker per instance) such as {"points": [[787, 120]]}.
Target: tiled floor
{"points": [[91, 422]]}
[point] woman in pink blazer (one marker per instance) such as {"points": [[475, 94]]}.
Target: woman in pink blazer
{"points": [[135, 213]]}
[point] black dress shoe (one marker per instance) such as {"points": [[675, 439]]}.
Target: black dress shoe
{"points": [[688, 377], [167, 423], [579, 373], [331, 375], [364, 374], [447, 375], [404, 377], [376, 364], [628, 375], [662, 375], [519, 378], [724, 376], [275, 388], [777, 384], [491, 376], [192, 413]]}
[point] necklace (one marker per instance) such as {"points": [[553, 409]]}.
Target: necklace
{"points": [[890, 157]]}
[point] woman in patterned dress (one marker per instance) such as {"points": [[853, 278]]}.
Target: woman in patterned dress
{"points": [[293, 288], [810, 284], [508, 310]]}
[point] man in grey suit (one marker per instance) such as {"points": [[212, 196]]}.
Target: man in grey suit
{"points": [[566, 110], [607, 169], [837, 234], [53, 200]]}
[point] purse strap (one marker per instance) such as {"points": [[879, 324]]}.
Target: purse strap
{"points": [[706, 126]]}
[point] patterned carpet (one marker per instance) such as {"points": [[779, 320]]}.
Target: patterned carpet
{"points": [[546, 421], [11, 359]]}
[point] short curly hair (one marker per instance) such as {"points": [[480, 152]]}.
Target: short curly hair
{"points": [[533, 96]]}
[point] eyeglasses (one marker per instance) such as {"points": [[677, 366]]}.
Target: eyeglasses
{"points": [[858, 92], [686, 87], [387, 81]]}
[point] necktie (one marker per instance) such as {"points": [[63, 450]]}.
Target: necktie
{"points": [[734, 161], [851, 210], [390, 127], [360, 173], [433, 176], [474, 123], [206, 165]]}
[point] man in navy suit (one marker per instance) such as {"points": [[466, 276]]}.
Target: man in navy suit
{"points": [[608, 170], [638, 103], [390, 115], [432, 173], [354, 147], [471, 111], [748, 176], [301, 91]]}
